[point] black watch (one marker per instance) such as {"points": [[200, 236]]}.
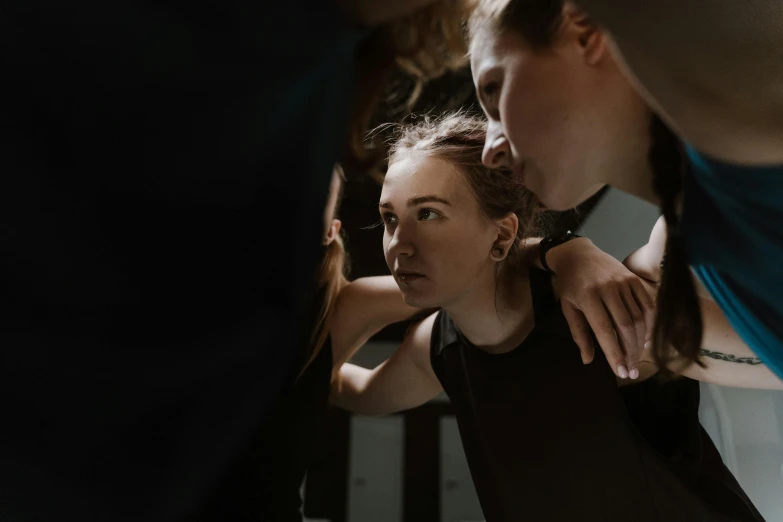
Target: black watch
{"points": [[550, 242]]}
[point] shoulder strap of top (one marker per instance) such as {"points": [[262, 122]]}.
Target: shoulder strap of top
{"points": [[436, 343], [444, 334]]}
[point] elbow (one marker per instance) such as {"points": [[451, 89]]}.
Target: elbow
{"points": [[351, 399]]}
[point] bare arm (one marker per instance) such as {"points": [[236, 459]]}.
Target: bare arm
{"points": [[710, 67], [646, 261], [364, 307], [598, 293], [404, 381], [728, 360]]}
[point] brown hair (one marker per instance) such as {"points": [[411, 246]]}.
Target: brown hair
{"points": [[678, 322], [425, 44], [459, 139], [332, 277], [537, 21]]}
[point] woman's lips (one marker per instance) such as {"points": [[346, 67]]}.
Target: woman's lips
{"points": [[408, 277]]}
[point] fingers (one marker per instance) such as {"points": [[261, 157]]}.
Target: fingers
{"points": [[647, 305], [640, 328], [580, 331], [625, 328], [604, 331]]}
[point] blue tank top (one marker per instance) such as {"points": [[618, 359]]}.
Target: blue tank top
{"points": [[732, 224]]}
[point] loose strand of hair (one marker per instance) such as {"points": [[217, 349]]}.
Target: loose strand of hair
{"points": [[333, 272]]}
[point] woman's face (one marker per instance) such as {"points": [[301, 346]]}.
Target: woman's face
{"points": [[436, 241], [564, 118]]}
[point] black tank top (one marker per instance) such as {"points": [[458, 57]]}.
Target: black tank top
{"points": [[550, 439]]}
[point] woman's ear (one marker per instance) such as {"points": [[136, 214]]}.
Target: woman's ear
{"points": [[507, 228], [333, 231], [589, 37]]}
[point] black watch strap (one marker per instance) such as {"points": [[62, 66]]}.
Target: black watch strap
{"points": [[550, 242]]}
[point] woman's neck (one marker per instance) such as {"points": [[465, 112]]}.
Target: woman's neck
{"points": [[629, 169], [496, 314], [639, 184]]}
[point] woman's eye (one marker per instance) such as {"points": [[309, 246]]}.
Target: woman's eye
{"points": [[491, 89], [388, 218], [489, 100], [427, 214]]}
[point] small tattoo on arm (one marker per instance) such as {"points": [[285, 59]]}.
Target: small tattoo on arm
{"points": [[730, 358]]}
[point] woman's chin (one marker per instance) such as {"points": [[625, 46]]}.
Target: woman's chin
{"points": [[417, 300], [560, 198]]}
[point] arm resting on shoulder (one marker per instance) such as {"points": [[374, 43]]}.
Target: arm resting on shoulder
{"points": [[728, 360], [402, 382], [363, 308]]}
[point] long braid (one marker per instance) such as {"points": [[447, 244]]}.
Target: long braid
{"points": [[678, 322]]}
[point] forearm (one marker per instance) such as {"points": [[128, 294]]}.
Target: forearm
{"points": [[727, 359], [725, 369]]}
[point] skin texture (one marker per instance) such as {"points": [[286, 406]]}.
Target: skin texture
{"points": [[727, 360], [564, 119], [426, 236], [710, 68]]}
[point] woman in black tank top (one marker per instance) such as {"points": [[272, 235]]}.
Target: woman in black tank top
{"points": [[547, 438], [345, 316]]}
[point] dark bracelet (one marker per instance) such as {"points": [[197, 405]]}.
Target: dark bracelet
{"points": [[550, 242]]}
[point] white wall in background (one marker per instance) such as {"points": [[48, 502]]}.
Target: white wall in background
{"points": [[746, 427], [620, 223], [458, 499], [375, 469]]}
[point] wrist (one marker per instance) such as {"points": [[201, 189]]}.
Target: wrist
{"points": [[558, 254]]}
